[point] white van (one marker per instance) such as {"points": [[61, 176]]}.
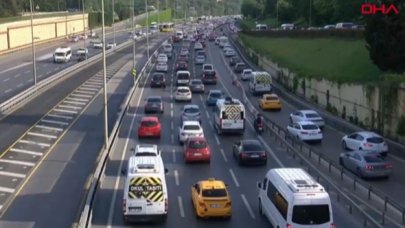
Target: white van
{"points": [[223, 40], [167, 48], [183, 78], [261, 27], [62, 54], [287, 26], [229, 116], [260, 83], [179, 34], [145, 195], [290, 197]]}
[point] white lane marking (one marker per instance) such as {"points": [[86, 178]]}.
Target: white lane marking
{"points": [[7, 79], [34, 143], [223, 155], [171, 106], [95, 83], [114, 197], [10, 174], [7, 91], [60, 116], [26, 72], [217, 139], [201, 98], [81, 95], [42, 135], [206, 112], [172, 139], [70, 106], [49, 128], [15, 67], [74, 102], [171, 113], [20, 85], [77, 99], [65, 111], [176, 177], [181, 208], [8, 190], [248, 206], [17, 75], [17, 162], [83, 91], [234, 178], [54, 122], [90, 87], [26, 152], [174, 155]]}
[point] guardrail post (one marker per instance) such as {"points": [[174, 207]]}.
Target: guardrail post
{"points": [[365, 222], [354, 183], [341, 174], [403, 216], [370, 188], [383, 218], [338, 197], [317, 178], [350, 209], [310, 152], [385, 203], [319, 158], [330, 165]]}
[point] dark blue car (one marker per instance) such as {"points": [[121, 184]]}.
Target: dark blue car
{"points": [[213, 96]]}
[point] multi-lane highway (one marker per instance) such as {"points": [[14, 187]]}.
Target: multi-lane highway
{"points": [[16, 70], [181, 176], [55, 141]]}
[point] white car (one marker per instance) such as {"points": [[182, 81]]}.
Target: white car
{"points": [[162, 67], [305, 131], [198, 46], [162, 58], [97, 44], [207, 67], [182, 93], [230, 53], [83, 37], [365, 140], [82, 51], [188, 129], [227, 49], [146, 150], [246, 74], [111, 45], [307, 115], [74, 39]]}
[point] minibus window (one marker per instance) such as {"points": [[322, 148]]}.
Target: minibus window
{"points": [[311, 214]]}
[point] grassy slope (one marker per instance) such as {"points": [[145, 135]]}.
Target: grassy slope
{"points": [[334, 59], [165, 16]]}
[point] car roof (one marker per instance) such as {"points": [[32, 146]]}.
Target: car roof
{"points": [[190, 106], [191, 122], [215, 91], [183, 87], [250, 142], [305, 122], [270, 95], [308, 111], [212, 183], [183, 72], [367, 134], [150, 118]]}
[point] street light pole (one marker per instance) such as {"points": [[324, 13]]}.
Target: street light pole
{"points": [[33, 43], [84, 31], [133, 38], [277, 14], [147, 28], [158, 16], [104, 79], [310, 13], [113, 22]]}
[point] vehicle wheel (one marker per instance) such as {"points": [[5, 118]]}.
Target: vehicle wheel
{"points": [[344, 145], [260, 207]]}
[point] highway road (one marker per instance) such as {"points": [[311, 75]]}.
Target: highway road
{"points": [[331, 147], [16, 70], [48, 155], [242, 180]]}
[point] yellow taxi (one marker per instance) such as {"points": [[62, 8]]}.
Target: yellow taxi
{"points": [[270, 102], [211, 199]]}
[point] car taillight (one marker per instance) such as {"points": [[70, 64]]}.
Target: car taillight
{"points": [[263, 154], [242, 155], [228, 204], [369, 167], [388, 166], [288, 225], [124, 205], [367, 144], [332, 225]]}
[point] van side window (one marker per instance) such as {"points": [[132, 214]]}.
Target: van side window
{"points": [[278, 200], [224, 116], [241, 115], [264, 183]]}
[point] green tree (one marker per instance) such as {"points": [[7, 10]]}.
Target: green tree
{"points": [[385, 36]]}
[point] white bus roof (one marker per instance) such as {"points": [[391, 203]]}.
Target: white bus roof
{"points": [[145, 164], [229, 101], [63, 49], [296, 180]]}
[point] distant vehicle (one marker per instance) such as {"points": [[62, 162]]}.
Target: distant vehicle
{"points": [[162, 58], [97, 45], [234, 60], [196, 86], [182, 93], [209, 77], [306, 131], [365, 140], [149, 127], [246, 74], [191, 112], [230, 53], [344, 25], [199, 60], [239, 67], [82, 51], [213, 96], [158, 80], [167, 48], [365, 164], [189, 129], [307, 115], [181, 65], [260, 83], [249, 151], [270, 102], [62, 54], [183, 57], [162, 67], [198, 46], [74, 39], [179, 34], [146, 150], [290, 197], [111, 45], [182, 78], [222, 41], [207, 67], [229, 116], [261, 27], [196, 149], [329, 27], [287, 26], [154, 104]]}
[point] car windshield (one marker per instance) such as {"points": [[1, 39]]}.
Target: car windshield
{"points": [[207, 68], [59, 54], [310, 214], [183, 90], [198, 144], [220, 192], [252, 147], [191, 127], [137, 154], [183, 76], [157, 77], [191, 110], [309, 127], [272, 98], [149, 123], [215, 95], [373, 159], [196, 82], [375, 140], [312, 115], [154, 100]]}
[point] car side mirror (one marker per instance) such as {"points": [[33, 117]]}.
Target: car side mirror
{"points": [[166, 170], [259, 185], [227, 185]]}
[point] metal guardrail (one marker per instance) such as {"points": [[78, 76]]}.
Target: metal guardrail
{"points": [[387, 205], [87, 212]]}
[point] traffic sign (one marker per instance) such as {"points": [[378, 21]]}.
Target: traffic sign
{"points": [[134, 71]]}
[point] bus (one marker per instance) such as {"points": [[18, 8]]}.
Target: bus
{"points": [[167, 27]]}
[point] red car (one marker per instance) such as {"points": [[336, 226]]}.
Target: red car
{"points": [[150, 127], [181, 65], [197, 149], [176, 39]]}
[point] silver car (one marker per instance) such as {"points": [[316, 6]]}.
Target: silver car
{"points": [[199, 60], [365, 164], [191, 112], [365, 140], [197, 86]]}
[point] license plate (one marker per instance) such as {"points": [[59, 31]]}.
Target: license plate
{"points": [[254, 156], [215, 205], [149, 133], [197, 154], [135, 209]]}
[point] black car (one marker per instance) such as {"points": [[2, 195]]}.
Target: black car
{"points": [[239, 67], [182, 65], [234, 61], [154, 104], [158, 80], [209, 77], [249, 151]]}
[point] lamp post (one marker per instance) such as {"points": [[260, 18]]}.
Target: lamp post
{"points": [[113, 3], [33, 43], [104, 79], [84, 31], [310, 13], [133, 38], [147, 28]]}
